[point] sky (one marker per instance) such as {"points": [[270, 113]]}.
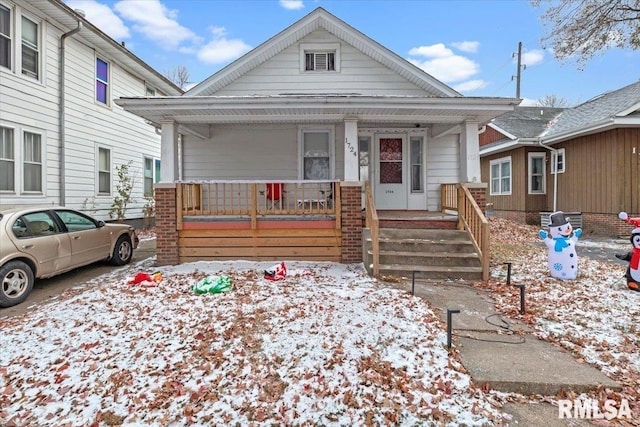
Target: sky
{"points": [[470, 45]]}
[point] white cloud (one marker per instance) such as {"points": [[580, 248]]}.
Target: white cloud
{"points": [[532, 57], [470, 86], [102, 17], [443, 64], [434, 51], [156, 22], [292, 4], [221, 49], [466, 46]]}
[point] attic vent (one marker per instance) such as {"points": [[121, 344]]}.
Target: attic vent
{"points": [[320, 61]]}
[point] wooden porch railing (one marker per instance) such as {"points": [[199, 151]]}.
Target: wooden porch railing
{"points": [[255, 199], [457, 197], [372, 224]]}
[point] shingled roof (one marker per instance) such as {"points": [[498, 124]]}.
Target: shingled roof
{"points": [[623, 102], [526, 122]]}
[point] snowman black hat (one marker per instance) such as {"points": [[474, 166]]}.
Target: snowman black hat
{"points": [[557, 219]]}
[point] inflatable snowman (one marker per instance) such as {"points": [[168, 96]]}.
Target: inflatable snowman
{"points": [[561, 244], [633, 257]]}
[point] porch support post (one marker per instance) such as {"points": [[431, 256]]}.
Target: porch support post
{"points": [[169, 151], [351, 221], [351, 164], [470, 152]]}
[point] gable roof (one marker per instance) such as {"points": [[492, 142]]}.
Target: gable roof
{"points": [[321, 19], [620, 107], [64, 15]]}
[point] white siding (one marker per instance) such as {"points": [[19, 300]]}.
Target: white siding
{"points": [[358, 74], [443, 167], [242, 152], [34, 106]]}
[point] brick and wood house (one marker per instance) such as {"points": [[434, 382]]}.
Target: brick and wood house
{"points": [[277, 146], [583, 160]]}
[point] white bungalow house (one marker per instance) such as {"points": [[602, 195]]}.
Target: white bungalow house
{"points": [[62, 138], [316, 105]]}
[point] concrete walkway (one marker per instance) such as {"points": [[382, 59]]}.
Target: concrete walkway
{"points": [[505, 355]]}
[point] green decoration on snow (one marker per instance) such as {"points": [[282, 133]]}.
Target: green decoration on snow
{"points": [[213, 285]]}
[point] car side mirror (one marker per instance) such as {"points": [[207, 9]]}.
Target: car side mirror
{"points": [[100, 223]]}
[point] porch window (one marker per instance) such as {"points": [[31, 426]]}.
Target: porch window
{"points": [[558, 161], [537, 181], [102, 81], [5, 37], [7, 160], [317, 154], [104, 171], [32, 143], [416, 164], [364, 142], [500, 171], [30, 52], [148, 176]]}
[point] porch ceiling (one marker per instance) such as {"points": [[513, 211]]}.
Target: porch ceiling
{"points": [[318, 108]]}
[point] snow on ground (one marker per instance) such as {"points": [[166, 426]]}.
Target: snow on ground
{"points": [[596, 317], [326, 346]]}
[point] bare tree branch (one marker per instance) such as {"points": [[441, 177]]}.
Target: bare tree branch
{"points": [[179, 75]]}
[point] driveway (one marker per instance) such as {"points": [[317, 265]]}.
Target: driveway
{"points": [[45, 290]]}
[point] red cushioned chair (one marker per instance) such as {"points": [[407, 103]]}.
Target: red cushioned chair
{"points": [[275, 194]]}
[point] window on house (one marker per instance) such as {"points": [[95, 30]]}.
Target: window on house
{"points": [[364, 142], [148, 176], [32, 144], [104, 171], [558, 161], [320, 61], [30, 53], [416, 147], [156, 177], [500, 176], [5, 37], [102, 81], [7, 160], [149, 91], [537, 182], [317, 154]]}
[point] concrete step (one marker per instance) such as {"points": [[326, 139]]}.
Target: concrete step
{"points": [[417, 245], [423, 234], [451, 259], [430, 272]]}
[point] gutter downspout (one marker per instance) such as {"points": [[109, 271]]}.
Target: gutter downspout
{"points": [[555, 175], [61, 115]]}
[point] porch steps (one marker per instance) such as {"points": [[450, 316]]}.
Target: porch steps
{"points": [[431, 253]]}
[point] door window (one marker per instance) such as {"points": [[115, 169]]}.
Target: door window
{"points": [[391, 160]]}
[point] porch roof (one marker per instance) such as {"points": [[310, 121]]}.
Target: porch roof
{"points": [[317, 108]]}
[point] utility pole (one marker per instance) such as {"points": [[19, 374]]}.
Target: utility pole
{"points": [[518, 71]]}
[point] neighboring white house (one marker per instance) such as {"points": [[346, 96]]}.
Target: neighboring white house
{"points": [[320, 100], [62, 138]]}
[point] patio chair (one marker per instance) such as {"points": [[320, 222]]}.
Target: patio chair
{"points": [[274, 194]]}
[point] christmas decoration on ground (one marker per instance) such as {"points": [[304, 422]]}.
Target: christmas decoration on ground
{"points": [[633, 257], [145, 279], [561, 244], [213, 285], [276, 272]]}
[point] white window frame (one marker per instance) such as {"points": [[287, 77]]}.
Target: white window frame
{"points": [[19, 160], [38, 47], [154, 177], [107, 102], [319, 48], [530, 175], [13, 160], [554, 161], [41, 163], [500, 161], [149, 90], [302, 130], [10, 37], [98, 170]]}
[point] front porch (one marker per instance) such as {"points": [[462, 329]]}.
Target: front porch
{"points": [[316, 220]]}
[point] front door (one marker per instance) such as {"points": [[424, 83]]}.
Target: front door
{"points": [[391, 172]]}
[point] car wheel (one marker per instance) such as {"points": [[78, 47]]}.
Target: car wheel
{"points": [[123, 252], [16, 283]]}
